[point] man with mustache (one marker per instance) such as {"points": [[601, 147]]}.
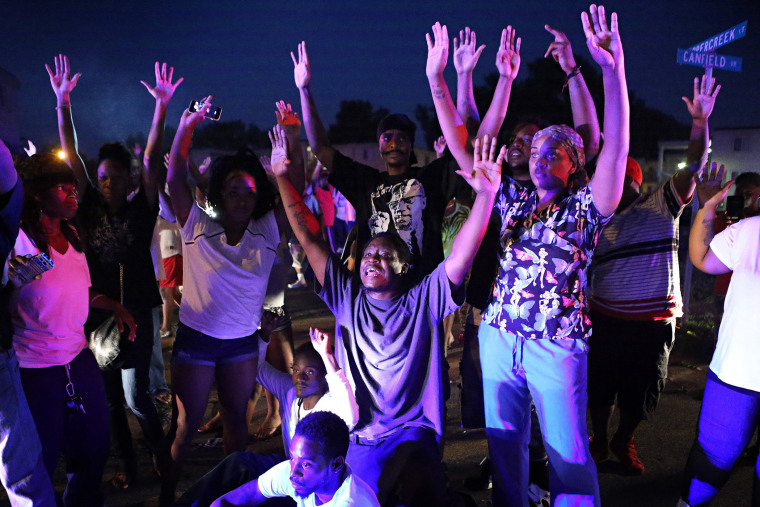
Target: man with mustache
{"points": [[317, 473]]}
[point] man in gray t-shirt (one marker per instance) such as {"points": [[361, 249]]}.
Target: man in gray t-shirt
{"points": [[388, 337]]}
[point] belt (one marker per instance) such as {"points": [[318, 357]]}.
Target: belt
{"points": [[358, 439]]}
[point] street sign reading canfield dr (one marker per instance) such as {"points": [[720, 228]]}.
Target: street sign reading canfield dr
{"points": [[704, 55], [714, 60]]}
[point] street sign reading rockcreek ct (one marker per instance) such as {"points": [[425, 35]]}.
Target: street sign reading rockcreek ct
{"points": [[704, 55], [723, 38]]}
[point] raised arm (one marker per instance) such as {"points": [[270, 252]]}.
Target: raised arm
{"points": [[606, 49], [303, 222], [63, 83], [315, 130], [710, 193], [451, 123], [291, 124], [341, 392], [585, 119], [466, 54], [179, 191], [154, 175], [508, 65], [484, 178], [700, 108]]}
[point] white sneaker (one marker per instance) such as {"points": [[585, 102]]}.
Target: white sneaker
{"points": [[297, 284]]}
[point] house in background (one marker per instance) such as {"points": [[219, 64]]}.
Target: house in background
{"points": [[737, 148]]}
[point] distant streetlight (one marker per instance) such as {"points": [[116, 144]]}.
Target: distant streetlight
{"points": [[682, 165], [61, 154]]}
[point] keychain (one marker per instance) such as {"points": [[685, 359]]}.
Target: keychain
{"points": [[73, 402]]}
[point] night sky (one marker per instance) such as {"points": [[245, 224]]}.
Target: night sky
{"points": [[239, 52]]}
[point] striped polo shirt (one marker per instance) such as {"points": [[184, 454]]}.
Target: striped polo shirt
{"points": [[634, 274]]}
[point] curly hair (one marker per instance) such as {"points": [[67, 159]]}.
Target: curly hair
{"points": [[245, 161], [40, 173], [327, 429]]}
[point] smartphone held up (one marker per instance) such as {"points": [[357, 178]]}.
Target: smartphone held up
{"points": [[211, 112]]}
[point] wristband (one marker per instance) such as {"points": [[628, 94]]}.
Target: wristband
{"points": [[67, 105], [576, 70]]}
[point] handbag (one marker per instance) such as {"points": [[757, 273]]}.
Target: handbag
{"points": [[112, 349]]}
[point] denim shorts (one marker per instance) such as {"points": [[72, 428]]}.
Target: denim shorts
{"points": [[194, 347]]}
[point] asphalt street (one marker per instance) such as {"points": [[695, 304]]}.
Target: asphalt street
{"points": [[663, 443]]}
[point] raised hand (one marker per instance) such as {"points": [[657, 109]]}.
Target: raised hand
{"points": [[31, 150], [701, 106], [560, 49], [204, 165], [710, 192], [279, 158], [466, 51], [439, 145], [603, 42], [438, 50], [301, 69], [61, 80], [321, 340], [485, 176], [287, 118], [191, 119], [164, 89], [508, 55], [266, 163]]}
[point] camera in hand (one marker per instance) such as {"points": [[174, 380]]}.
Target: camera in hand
{"points": [[211, 112]]}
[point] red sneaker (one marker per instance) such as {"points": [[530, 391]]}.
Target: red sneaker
{"points": [[599, 450], [626, 453]]}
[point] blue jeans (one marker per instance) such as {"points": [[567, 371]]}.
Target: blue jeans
{"points": [[23, 470], [157, 369], [553, 374], [131, 385], [727, 421], [404, 468], [82, 437]]}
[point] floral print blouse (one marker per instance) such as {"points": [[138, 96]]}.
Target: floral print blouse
{"points": [[540, 289]]}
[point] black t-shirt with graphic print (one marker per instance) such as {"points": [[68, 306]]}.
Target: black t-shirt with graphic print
{"points": [[411, 204]]}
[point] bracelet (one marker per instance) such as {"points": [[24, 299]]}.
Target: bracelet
{"points": [[576, 70], [67, 105]]}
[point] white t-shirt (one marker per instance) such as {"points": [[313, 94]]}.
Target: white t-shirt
{"points": [[736, 357], [48, 315], [225, 284], [353, 492]]}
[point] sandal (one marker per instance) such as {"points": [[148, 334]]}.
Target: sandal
{"points": [[267, 432], [210, 426], [163, 397], [122, 480]]}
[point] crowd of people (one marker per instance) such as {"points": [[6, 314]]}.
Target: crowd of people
{"points": [[566, 272]]}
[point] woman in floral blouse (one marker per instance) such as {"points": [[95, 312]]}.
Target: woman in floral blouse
{"points": [[535, 343]]}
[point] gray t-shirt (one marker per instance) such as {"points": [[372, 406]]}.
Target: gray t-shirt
{"points": [[391, 351]]}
